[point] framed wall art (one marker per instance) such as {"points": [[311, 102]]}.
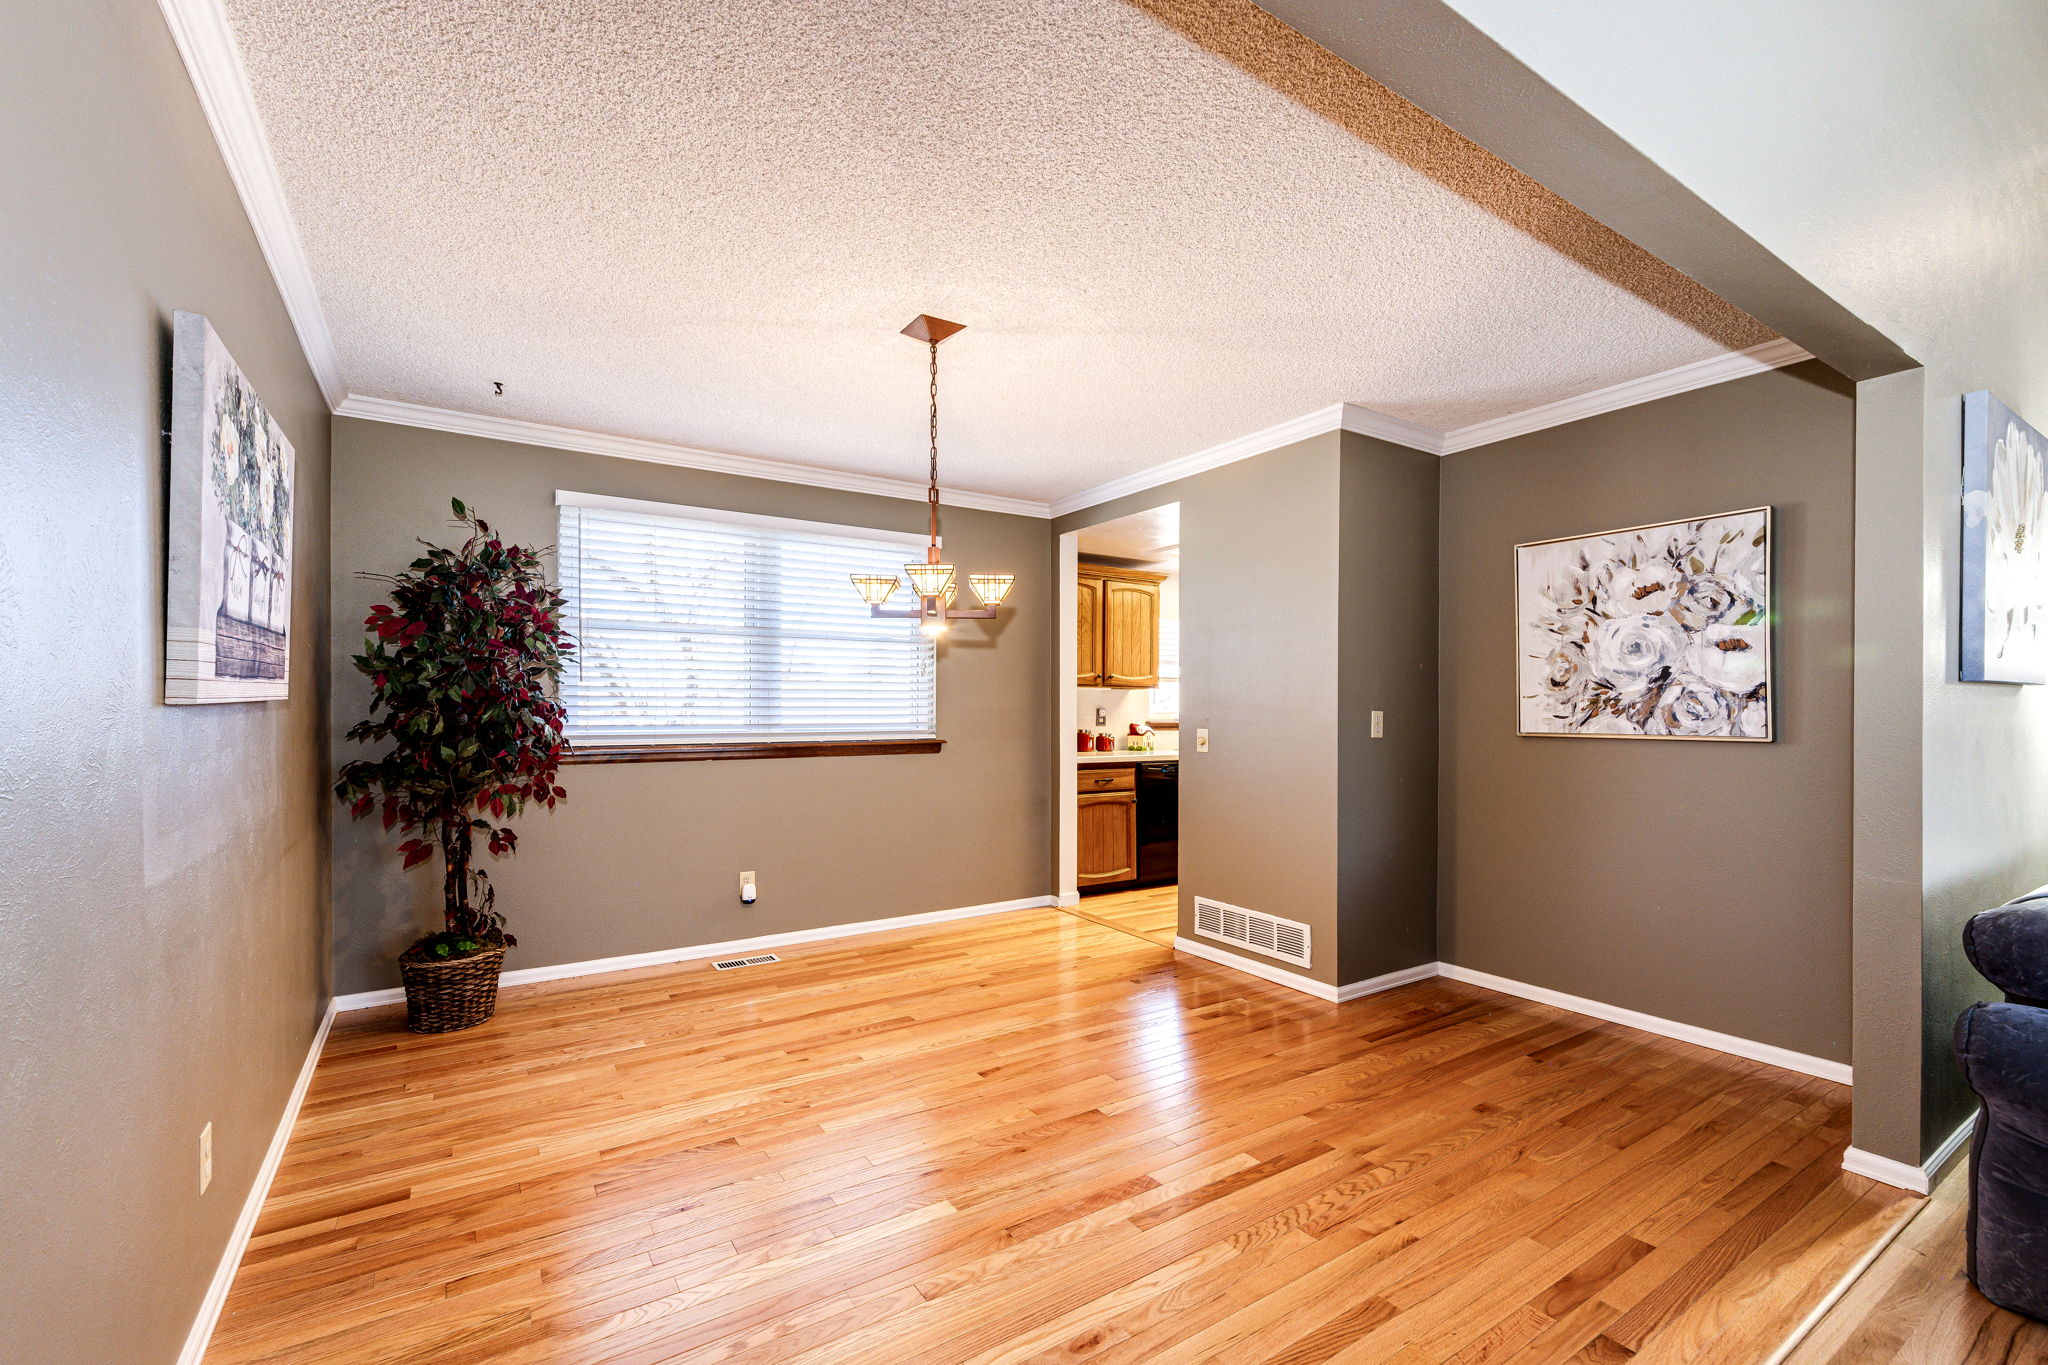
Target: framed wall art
{"points": [[2005, 545], [227, 633], [1649, 632]]}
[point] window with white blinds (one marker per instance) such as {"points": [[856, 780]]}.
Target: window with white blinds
{"points": [[1166, 696], [694, 625]]}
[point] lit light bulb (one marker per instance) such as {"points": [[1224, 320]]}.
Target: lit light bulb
{"points": [[933, 628]]}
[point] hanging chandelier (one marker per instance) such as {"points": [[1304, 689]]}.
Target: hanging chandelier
{"points": [[933, 582]]}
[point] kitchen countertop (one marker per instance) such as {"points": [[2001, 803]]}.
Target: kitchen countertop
{"points": [[1128, 756]]}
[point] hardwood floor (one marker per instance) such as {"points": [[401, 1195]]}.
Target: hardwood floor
{"points": [[1151, 912], [1031, 1137], [1914, 1307]]}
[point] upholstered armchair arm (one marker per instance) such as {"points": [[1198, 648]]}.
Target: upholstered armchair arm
{"points": [[2009, 947]]}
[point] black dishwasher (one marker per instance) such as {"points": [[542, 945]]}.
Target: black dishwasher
{"points": [[1158, 823]]}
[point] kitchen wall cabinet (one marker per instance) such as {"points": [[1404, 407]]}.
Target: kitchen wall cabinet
{"points": [[1088, 632], [1117, 627]]}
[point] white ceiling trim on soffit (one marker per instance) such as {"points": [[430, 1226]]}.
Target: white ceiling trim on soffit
{"points": [[1771, 355], [662, 452], [213, 61]]}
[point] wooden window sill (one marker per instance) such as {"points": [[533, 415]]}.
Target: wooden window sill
{"points": [[689, 753]]}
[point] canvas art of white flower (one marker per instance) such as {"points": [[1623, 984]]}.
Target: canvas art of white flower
{"points": [[2005, 545], [1653, 632]]}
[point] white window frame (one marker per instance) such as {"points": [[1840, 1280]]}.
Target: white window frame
{"points": [[912, 543]]}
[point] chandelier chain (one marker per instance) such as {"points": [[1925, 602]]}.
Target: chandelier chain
{"points": [[932, 495]]}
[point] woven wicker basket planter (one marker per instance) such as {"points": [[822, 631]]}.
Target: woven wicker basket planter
{"points": [[441, 997]]}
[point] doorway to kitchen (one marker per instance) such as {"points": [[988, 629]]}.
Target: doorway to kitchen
{"points": [[1118, 777]]}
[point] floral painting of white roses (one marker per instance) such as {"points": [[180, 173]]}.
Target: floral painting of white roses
{"points": [[2005, 534], [1652, 632]]}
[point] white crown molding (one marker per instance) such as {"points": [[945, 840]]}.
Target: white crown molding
{"points": [[252, 1206], [1229, 452], [1772, 355], [663, 452], [1365, 421], [207, 45], [739, 947]]}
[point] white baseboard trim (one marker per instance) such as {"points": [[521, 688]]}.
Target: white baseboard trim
{"points": [[1916, 1179], [1280, 976], [1386, 981], [1767, 1053], [739, 947], [252, 1207], [1649, 1023]]}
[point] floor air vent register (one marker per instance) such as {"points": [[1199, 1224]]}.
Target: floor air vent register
{"points": [[1285, 939]]}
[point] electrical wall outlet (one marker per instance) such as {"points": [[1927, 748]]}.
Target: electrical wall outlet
{"points": [[1379, 725], [1201, 741], [747, 888], [205, 1157], [1102, 715]]}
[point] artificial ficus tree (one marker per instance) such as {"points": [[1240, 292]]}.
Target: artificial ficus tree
{"points": [[462, 669]]}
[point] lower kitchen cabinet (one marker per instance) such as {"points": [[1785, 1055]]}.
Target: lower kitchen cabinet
{"points": [[1108, 837]]}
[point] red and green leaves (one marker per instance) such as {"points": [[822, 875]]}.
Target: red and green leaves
{"points": [[461, 662]]}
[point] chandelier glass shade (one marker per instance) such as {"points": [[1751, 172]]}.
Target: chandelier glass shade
{"points": [[934, 583], [875, 589], [929, 580]]}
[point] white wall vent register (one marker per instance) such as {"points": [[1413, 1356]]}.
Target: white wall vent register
{"points": [[1285, 939]]}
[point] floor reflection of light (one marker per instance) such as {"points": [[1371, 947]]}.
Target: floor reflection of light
{"points": [[1161, 1038]]}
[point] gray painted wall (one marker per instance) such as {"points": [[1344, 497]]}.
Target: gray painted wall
{"points": [[647, 856], [1258, 662], [1707, 883], [1905, 181], [1387, 661], [1289, 562], [163, 906], [1898, 220]]}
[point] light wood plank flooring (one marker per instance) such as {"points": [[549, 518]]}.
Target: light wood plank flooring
{"points": [[1031, 1137], [1151, 912], [1913, 1306]]}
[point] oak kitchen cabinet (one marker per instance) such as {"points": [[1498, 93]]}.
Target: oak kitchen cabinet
{"points": [[1107, 830], [1116, 625]]}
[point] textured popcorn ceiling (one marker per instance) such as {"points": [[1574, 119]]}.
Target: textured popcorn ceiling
{"points": [[1166, 225]]}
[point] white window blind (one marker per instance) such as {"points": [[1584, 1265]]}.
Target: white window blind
{"points": [[698, 625], [1166, 696]]}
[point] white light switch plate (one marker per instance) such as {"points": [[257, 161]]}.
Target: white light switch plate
{"points": [[1201, 741], [1379, 725]]}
